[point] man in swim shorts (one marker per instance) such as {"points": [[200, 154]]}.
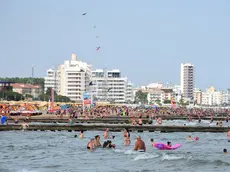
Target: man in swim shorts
{"points": [[140, 145]]}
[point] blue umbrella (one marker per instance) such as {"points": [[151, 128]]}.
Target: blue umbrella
{"points": [[3, 119]]}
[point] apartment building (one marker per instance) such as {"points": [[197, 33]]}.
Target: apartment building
{"points": [[71, 79], [111, 86], [187, 80]]}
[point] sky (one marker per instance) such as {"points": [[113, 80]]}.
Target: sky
{"points": [[147, 40]]}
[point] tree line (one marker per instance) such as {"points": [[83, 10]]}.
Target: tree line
{"points": [[9, 95]]}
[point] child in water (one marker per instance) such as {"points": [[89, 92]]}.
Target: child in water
{"points": [[152, 142], [189, 138], [225, 151]]}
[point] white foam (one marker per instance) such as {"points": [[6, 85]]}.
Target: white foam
{"points": [[145, 156], [25, 170], [171, 157]]}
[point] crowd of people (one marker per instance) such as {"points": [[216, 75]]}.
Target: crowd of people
{"points": [[139, 146]]}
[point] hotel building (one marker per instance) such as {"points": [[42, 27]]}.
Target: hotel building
{"points": [[187, 80]]}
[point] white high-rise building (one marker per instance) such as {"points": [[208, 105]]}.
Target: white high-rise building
{"points": [[72, 78], [187, 80], [51, 80], [110, 86]]}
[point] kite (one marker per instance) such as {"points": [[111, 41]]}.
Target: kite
{"points": [[98, 48], [84, 14], [94, 26], [97, 37]]}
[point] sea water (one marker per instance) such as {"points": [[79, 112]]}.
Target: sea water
{"points": [[61, 151]]}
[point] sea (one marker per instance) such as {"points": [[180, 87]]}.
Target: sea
{"points": [[47, 151]]}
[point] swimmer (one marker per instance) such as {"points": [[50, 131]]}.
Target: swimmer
{"points": [[108, 144], [97, 141], [225, 151], [140, 145], [24, 126], [81, 134], [169, 144], [106, 133], [91, 145], [189, 138], [228, 136], [75, 136], [127, 137], [152, 142]]}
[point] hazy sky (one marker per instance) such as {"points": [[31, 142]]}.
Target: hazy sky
{"points": [[147, 40]]}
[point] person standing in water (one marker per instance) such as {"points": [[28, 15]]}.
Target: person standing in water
{"points": [[25, 126], [81, 134], [140, 145], [106, 133], [97, 141], [91, 144], [127, 137], [228, 136]]}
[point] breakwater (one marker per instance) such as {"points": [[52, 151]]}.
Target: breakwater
{"points": [[114, 127]]}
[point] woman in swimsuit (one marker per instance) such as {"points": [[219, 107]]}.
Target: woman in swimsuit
{"points": [[91, 144], [127, 137]]}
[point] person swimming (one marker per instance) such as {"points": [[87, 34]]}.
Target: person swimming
{"points": [[169, 144], [189, 138], [75, 136], [152, 142], [225, 151], [108, 144]]}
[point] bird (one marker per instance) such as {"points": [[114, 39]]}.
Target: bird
{"points": [[98, 48], [84, 14], [94, 26], [97, 37]]}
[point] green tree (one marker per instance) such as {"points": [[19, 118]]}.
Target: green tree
{"points": [[48, 92], [27, 80], [60, 98], [141, 97], [167, 101], [9, 95], [43, 97]]}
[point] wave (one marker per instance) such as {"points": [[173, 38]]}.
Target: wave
{"points": [[171, 157], [145, 156], [125, 151], [202, 162], [25, 170]]}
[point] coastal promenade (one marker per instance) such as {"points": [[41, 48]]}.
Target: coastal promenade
{"points": [[113, 127]]}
